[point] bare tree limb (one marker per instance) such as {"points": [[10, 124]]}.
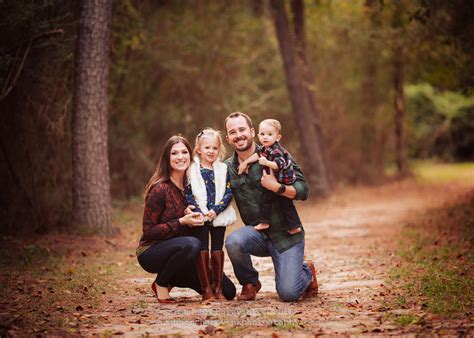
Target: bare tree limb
{"points": [[10, 85]]}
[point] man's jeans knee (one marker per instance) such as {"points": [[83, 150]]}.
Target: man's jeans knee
{"points": [[292, 277], [288, 293], [232, 244], [240, 245]]}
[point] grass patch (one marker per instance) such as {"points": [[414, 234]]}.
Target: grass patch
{"points": [[436, 262], [54, 284], [47, 291], [286, 325], [432, 172], [408, 319]]}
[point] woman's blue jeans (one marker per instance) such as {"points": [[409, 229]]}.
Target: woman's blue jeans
{"points": [[174, 260], [292, 276]]}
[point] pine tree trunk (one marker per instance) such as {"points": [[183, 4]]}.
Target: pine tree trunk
{"points": [[367, 170], [91, 182], [370, 168], [399, 97], [301, 104], [399, 101], [309, 83]]}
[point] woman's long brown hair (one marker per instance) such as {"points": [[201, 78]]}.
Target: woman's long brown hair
{"points": [[163, 169]]}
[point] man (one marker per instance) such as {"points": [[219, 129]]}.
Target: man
{"points": [[294, 278]]}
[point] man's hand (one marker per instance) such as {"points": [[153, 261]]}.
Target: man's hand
{"points": [[269, 181]]}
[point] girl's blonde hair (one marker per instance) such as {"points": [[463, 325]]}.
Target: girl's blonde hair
{"points": [[206, 133]]}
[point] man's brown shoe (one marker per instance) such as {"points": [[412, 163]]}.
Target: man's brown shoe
{"points": [[249, 291], [312, 289]]}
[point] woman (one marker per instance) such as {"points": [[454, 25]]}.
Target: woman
{"points": [[166, 247]]}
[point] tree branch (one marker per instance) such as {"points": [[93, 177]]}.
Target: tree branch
{"points": [[9, 86]]}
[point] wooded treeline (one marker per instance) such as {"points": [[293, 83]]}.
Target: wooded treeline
{"points": [[386, 81]]}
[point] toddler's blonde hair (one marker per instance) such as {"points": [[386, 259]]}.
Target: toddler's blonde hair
{"points": [[274, 123], [206, 133]]}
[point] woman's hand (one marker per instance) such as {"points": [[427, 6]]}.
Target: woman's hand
{"points": [[189, 209], [192, 219]]}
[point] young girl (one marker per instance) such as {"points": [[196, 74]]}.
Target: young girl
{"points": [[208, 190]]}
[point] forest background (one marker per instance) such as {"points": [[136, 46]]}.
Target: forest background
{"points": [[180, 66]]}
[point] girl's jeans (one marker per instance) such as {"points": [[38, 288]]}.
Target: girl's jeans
{"points": [[217, 236]]}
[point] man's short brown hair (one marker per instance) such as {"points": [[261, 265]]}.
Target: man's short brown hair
{"points": [[237, 114]]}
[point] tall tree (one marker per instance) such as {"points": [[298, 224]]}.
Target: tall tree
{"points": [[370, 169], [91, 182], [302, 98], [297, 8], [399, 97]]}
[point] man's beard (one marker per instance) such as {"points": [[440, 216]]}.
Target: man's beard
{"points": [[245, 147]]}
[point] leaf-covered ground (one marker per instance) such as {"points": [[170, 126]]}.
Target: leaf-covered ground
{"points": [[60, 284]]}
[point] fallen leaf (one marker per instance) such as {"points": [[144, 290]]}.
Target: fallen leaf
{"points": [[108, 241]]}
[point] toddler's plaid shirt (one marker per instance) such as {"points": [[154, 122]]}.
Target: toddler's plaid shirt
{"points": [[276, 153]]}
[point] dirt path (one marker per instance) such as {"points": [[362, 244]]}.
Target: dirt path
{"points": [[351, 238]]}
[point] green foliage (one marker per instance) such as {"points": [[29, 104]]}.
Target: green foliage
{"points": [[178, 66], [444, 49], [440, 123], [178, 71]]}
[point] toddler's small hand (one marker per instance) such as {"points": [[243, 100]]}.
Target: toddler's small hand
{"points": [[294, 230], [263, 161], [242, 168]]}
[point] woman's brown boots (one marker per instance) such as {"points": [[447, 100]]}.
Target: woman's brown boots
{"points": [[209, 291], [204, 273], [217, 259]]}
